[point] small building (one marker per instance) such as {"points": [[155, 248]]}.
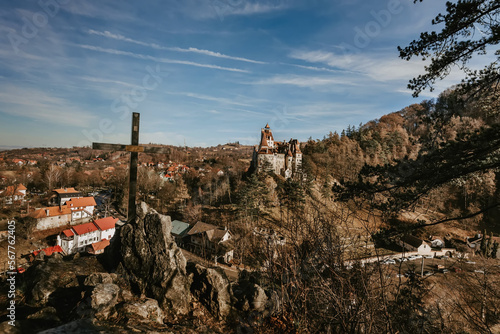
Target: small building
{"points": [[98, 247], [79, 237], [81, 207], [211, 240], [60, 196], [107, 226], [48, 251], [414, 244], [51, 217], [14, 194], [179, 231]]}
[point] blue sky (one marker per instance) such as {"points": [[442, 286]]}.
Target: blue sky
{"points": [[202, 72]]}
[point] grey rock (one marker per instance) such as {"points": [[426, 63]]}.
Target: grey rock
{"points": [[103, 299], [98, 278], [146, 310], [211, 287], [152, 261], [249, 296]]}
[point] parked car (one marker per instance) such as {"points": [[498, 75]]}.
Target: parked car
{"points": [[428, 273], [388, 261], [444, 270]]}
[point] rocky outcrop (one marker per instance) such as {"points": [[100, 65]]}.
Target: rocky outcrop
{"points": [[98, 278], [211, 287], [144, 310], [249, 297], [153, 263], [103, 300]]}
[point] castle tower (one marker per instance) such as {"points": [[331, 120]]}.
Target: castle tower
{"points": [[283, 158]]}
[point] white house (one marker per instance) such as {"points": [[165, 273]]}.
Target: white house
{"points": [[412, 244], [51, 217], [81, 208], [14, 194], [107, 226], [79, 237]]}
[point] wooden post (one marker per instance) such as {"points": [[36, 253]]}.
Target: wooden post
{"points": [[134, 150], [134, 159]]}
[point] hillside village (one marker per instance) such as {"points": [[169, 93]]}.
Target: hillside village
{"points": [[237, 208], [76, 216]]}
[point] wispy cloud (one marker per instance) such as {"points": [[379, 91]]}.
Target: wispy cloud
{"points": [[177, 49], [158, 59], [221, 100], [304, 81], [249, 8], [42, 106], [382, 66], [107, 81]]}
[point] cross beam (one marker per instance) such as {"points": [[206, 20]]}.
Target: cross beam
{"points": [[134, 150]]}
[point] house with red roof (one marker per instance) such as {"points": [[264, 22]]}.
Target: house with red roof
{"points": [[98, 247], [51, 217], [78, 238], [61, 196], [81, 207], [49, 250], [14, 194], [76, 210]]}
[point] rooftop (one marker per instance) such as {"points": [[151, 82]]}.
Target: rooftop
{"points": [[106, 223]]}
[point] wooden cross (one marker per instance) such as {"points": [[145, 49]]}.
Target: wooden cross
{"points": [[134, 150]]}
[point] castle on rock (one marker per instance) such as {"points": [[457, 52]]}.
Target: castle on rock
{"points": [[283, 158]]}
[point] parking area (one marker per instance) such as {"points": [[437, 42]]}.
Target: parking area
{"points": [[419, 265]]}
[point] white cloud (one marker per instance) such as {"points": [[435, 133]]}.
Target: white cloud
{"points": [[158, 59], [159, 47], [221, 100], [304, 81], [41, 106], [255, 8]]}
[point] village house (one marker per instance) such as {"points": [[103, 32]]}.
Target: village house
{"points": [[414, 244], [211, 240], [51, 217], [81, 208], [48, 251], [14, 194], [76, 210], [60, 196], [79, 237], [98, 247], [179, 231]]}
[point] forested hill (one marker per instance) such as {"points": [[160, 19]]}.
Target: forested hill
{"points": [[441, 152]]}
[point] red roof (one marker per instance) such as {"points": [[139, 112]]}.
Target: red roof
{"points": [[66, 191], [49, 250], [68, 233], [84, 228], [106, 223], [53, 211], [97, 246], [80, 202]]}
